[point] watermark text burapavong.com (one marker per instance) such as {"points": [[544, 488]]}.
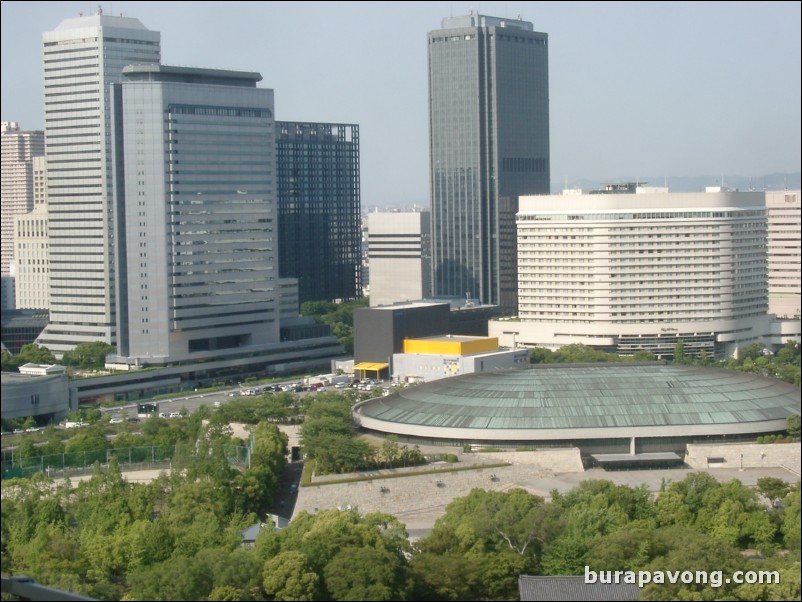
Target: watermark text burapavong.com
{"points": [[712, 578]]}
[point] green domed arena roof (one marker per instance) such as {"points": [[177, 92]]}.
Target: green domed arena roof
{"points": [[590, 400]]}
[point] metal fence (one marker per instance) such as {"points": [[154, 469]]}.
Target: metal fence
{"points": [[130, 458]]}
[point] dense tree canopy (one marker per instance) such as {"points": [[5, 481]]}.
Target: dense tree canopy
{"points": [[30, 353], [88, 355], [339, 316], [784, 365], [179, 537]]}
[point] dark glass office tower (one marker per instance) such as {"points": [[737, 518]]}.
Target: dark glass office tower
{"points": [[489, 144], [319, 212]]}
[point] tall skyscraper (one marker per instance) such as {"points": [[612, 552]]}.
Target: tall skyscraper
{"points": [[197, 263], [82, 57], [19, 149], [319, 209], [489, 144]]}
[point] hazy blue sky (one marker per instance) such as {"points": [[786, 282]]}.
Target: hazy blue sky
{"points": [[636, 88]]}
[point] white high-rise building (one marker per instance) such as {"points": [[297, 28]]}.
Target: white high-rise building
{"points": [[32, 248], [82, 57], [19, 149], [639, 271], [785, 258], [399, 256], [197, 263]]}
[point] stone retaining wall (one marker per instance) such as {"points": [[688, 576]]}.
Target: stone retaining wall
{"points": [[745, 455]]}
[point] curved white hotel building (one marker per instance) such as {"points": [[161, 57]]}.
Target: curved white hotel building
{"points": [[640, 270]]}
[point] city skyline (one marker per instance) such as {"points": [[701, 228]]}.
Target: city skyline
{"points": [[683, 89]]}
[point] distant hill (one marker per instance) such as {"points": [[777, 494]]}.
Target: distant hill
{"points": [[775, 181]]}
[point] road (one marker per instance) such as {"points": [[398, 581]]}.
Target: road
{"points": [[190, 401]]}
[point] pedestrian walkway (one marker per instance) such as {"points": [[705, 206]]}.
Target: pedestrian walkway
{"points": [[419, 500]]}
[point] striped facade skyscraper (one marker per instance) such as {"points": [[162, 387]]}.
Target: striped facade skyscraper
{"points": [[82, 57]]}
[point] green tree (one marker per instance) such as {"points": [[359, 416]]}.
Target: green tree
{"points": [[731, 511], [671, 509], [752, 352], [773, 489], [339, 316], [53, 444], [36, 354], [366, 573], [53, 556], [91, 440], [688, 550], [27, 449], [7, 363], [506, 530], [177, 578], [626, 549], [227, 593], [88, 355], [269, 447], [449, 576], [566, 555], [255, 488], [540, 355], [787, 587], [340, 453], [289, 576], [575, 353], [317, 308], [389, 452], [788, 354], [679, 353], [148, 542], [693, 488], [791, 528], [240, 569], [704, 358], [793, 427]]}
